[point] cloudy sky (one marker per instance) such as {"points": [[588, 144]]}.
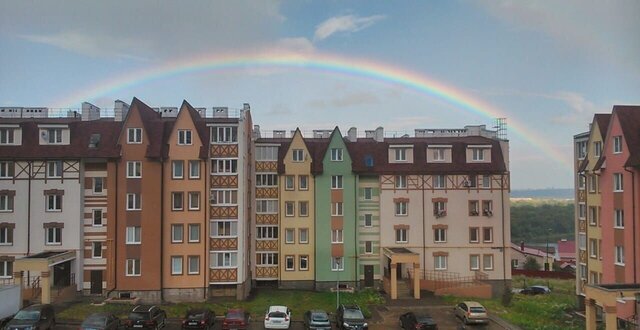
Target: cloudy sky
{"points": [[547, 66]]}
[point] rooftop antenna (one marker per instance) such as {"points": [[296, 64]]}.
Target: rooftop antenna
{"points": [[501, 128]]}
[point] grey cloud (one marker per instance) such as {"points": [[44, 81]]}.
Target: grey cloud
{"points": [[347, 23], [346, 100]]}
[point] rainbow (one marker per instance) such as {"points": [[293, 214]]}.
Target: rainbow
{"points": [[357, 67]]}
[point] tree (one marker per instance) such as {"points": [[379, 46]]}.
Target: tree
{"points": [[531, 264]]}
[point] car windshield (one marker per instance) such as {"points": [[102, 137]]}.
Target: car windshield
{"points": [[138, 316], [195, 315], [353, 314], [477, 310], [27, 315], [277, 314], [95, 320], [320, 317]]}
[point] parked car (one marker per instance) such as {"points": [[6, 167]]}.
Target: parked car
{"points": [[471, 312], [423, 322], [236, 319], [317, 320], [100, 321], [277, 317], [536, 289], [146, 317], [199, 319], [351, 317], [35, 317]]}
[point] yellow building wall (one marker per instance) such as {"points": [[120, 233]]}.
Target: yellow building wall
{"points": [[593, 200]]}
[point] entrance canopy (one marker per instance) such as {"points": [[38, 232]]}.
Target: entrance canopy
{"points": [[399, 255]]}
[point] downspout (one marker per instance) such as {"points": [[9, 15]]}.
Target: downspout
{"points": [[205, 234], [315, 233], [424, 237], [355, 233], [633, 222], [28, 210], [115, 241], [162, 228], [504, 244]]}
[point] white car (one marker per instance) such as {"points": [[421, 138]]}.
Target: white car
{"points": [[277, 317]]}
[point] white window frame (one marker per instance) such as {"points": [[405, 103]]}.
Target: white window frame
{"points": [[593, 215], [619, 255], [176, 265], [133, 267], [266, 206], [477, 154], [177, 233], [224, 197], [289, 235], [593, 248], [440, 181], [401, 209], [177, 200], [6, 236], [185, 137], [400, 154], [96, 247], [7, 136], [336, 182], [134, 135], [368, 222], [618, 216], [402, 235], [98, 188], [337, 209], [487, 262], [289, 209], [133, 235], [298, 155], [305, 208], [194, 197], [54, 135], [6, 170], [303, 239], [303, 182], [289, 182], [229, 228], [368, 193], [476, 230], [337, 236], [134, 169], [194, 169], [484, 236], [224, 134], [55, 169], [306, 262], [618, 183], [6, 269], [191, 233], [401, 181], [53, 202], [7, 203], [597, 148], [266, 180], [439, 154], [193, 260], [289, 262], [336, 154], [337, 264], [476, 265], [617, 144], [267, 153], [486, 181], [267, 259], [224, 166], [177, 169], [440, 262], [57, 236], [134, 202], [94, 217], [229, 259], [368, 247], [267, 232], [440, 235]]}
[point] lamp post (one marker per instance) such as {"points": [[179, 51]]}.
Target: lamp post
{"points": [[338, 260]]}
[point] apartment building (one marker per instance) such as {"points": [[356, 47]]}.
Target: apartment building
{"points": [[607, 173]]}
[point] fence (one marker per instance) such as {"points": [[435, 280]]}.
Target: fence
{"points": [[543, 274], [440, 280]]}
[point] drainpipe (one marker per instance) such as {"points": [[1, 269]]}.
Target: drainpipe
{"points": [[115, 241], [205, 234], [504, 244], [355, 233], [162, 227], [424, 238], [633, 221], [28, 210], [315, 234]]}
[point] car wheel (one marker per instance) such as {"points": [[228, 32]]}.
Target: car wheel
{"points": [[465, 320]]}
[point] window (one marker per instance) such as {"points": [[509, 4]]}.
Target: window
{"points": [[477, 154], [474, 208], [6, 269], [401, 181], [224, 134], [177, 169], [582, 241], [581, 149], [6, 135], [304, 262], [487, 261], [619, 255], [289, 209], [593, 215], [176, 265], [224, 166], [400, 154], [619, 219], [439, 154], [177, 233], [474, 262], [267, 259], [133, 235], [289, 236], [336, 236], [298, 155], [194, 233], [266, 180], [266, 153], [402, 208], [336, 154], [597, 148], [303, 236], [368, 247], [486, 181], [54, 169], [224, 228], [617, 144], [194, 169], [593, 248], [134, 135], [593, 183], [336, 209], [98, 185], [487, 234], [368, 193], [474, 235], [184, 137], [54, 203], [133, 267], [401, 235], [289, 263], [303, 182], [440, 262], [336, 182], [267, 206], [224, 259], [6, 202], [487, 208], [224, 197], [54, 135], [97, 218], [133, 202], [177, 201], [6, 235], [439, 235], [303, 208], [471, 181], [193, 264], [439, 181], [267, 232], [6, 169], [581, 182], [96, 250], [134, 169], [368, 220], [514, 263], [440, 209], [194, 200], [54, 236], [289, 182], [337, 264], [617, 182]]}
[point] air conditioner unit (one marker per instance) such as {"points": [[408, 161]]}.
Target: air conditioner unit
{"points": [[44, 135], [466, 183]]}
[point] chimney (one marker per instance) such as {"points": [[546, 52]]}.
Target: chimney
{"points": [[90, 112], [120, 110], [256, 131], [220, 112], [379, 134], [246, 107], [352, 134]]}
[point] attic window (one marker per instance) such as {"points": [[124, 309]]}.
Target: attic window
{"points": [[368, 161], [94, 140]]}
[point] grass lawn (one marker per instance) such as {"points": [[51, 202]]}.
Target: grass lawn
{"points": [[540, 312], [298, 301]]}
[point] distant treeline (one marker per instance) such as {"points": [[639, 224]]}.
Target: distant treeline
{"points": [[543, 193], [531, 221]]}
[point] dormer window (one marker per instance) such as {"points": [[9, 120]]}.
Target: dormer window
{"points": [[336, 154], [617, 144], [477, 154], [438, 154], [7, 135], [224, 134], [55, 135], [401, 154], [184, 137], [134, 135]]}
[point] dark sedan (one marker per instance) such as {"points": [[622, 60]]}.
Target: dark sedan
{"points": [[199, 319], [536, 289], [423, 322], [100, 321], [236, 319]]}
